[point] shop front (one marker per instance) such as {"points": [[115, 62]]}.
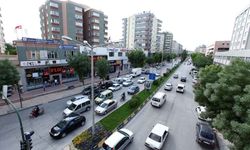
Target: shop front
{"points": [[115, 65]]}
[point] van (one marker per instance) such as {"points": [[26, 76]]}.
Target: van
{"points": [[107, 94], [180, 88], [158, 99], [77, 106]]}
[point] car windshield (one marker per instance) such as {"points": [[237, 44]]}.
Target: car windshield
{"points": [[106, 147], [168, 84], [116, 85], [180, 87], [62, 124], [133, 88], [142, 78], [104, 105], [155, 99], [155, 137], [72, 106], [207, 135], [102, 96]]}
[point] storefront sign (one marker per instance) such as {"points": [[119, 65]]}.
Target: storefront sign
{"points": [[113, 49], [68, 47], [54, 70], [33, 40]]}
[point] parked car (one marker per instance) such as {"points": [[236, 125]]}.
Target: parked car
{"points": [[106, 85], [87, 90], [141, 80], [118, 140], [75, 98], [194, 80], [115, 87], [127, 82], [183, 79], [175, 76], [128, 77], [168, 86], [200, 110], [118, 81], [66, 125], [106, 106], [205, 134], [180, 88], [157, 136], [133, 89]]}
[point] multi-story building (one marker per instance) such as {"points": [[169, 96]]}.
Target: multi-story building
{"points": [[140, 31], [201, 49], [177, 48], [218, 46], [2, 41], [240, 41], [160, 42], [68, 18], [95, 27], [168, 40], [241, 32]]}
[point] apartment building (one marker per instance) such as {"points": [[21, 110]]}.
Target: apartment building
{"points": [[177, 48], [160, 42], [2, 41], [201, 49], [140, 31], [72, 19], [240, 41], [168, 42]]}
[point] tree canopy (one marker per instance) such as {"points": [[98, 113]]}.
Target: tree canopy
{"points": [[226, 95], [9, 74], [10, 49], [184, 55], [81, 64], [102, 68], [137, 58], [200, 60]]}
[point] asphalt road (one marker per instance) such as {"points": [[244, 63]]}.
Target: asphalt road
{"points": [[10, 128], [178, 113]]}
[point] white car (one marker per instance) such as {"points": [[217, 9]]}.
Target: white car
{"points": [[180, 88], [75, 98], [115, 87], [106, 106], [141, 80], [130, 77], [200, 110], [157, 136], [127, 82], [168, 86]]}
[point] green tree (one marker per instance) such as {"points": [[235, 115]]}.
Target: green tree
{"points": [[228, 102], [183, 55], [200, 60], [9, 74], [102, 68], [157, 57], [137, 58], [149, 60], [81, 64], [10, 49]]}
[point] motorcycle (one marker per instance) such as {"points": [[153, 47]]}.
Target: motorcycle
{"points": [[123, 97], [33, 113]]}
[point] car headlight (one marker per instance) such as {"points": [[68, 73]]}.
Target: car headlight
{"points": [[56, 134]]}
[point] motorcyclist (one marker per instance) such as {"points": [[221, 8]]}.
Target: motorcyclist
{"points": [[123, 96], [36, 111]]}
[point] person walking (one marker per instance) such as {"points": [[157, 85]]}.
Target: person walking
{"points": [[44, 86]]}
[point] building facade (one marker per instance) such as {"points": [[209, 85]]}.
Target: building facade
{"points": [[218, 46], [75, 20], [201, 49], [160, 42], [2, 41], [177, 48], [240, 39], [140, 31], [168, 42], [95, 27]]}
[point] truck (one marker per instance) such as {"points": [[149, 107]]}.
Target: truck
{"points": [[136, 72]]}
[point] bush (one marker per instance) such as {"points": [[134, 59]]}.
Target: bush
{"points": [[156, 82], [134, 102]]}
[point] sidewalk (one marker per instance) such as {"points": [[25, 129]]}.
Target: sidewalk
{"points": [[39, 96]]}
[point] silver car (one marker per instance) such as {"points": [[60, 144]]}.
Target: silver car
{"points": [[115, 87], [106, 106]]}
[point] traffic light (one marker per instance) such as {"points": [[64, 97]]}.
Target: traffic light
{"points": [[28, 139], [23, 145]]}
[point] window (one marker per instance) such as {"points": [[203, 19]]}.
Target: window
{"points": [[120, 54], [55, 13], [78, 9], [111, 54], [96, 14], [78, 16], [78, 24], [53, 4], [52, 54]]}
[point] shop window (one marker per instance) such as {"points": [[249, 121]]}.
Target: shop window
{"points": [[119, 54], [111, 54], [52, 54]]}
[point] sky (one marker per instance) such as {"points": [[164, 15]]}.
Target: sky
{"points": [[192, 22]]}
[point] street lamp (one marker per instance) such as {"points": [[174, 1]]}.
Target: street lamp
{"points": [[64, 37]]}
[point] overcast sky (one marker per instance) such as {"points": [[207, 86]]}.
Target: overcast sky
{"points": [[193, 22]]}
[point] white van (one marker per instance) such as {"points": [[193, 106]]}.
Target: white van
{"points": [[107, 94], [180, 88], [158, 99], [77, 107]]}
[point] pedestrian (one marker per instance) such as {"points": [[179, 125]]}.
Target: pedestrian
{"points": [[56, 82], [44, 87], [118, 74]]}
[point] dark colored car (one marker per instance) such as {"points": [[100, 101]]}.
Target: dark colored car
{"points": [[66, 125], [133, 89], [106, 85], [87, 90], [205, 134], [183, 79]]}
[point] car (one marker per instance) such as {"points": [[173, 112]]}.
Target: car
{"points": [[183, 79], [128, 77], [194, 80], [78, 106], [117, 81], [115, 87], [106, 85], [127, 82], [141, 80], [157, 136], [133, 89], [180, 88], [205, 134], [106, 106], [175, 76], [71, 122], [87, 90], [200, 110], [118, 140], [157, 74], [75, 98], [168, 86]]}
